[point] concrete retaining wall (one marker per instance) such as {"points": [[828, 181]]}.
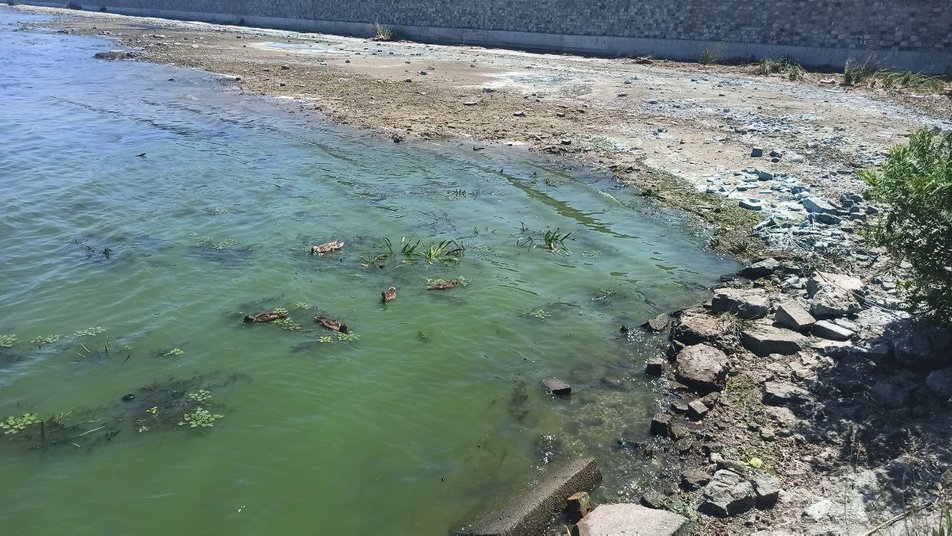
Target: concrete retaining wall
{"points": [[902, 34]]}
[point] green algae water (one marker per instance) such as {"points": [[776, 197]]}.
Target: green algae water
{"points": [[145, 210]]}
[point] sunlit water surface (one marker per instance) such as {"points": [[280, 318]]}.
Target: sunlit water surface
{"points": [[207, 201]]}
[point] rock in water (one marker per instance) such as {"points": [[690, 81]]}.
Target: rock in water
{"points": [[558, 387]]}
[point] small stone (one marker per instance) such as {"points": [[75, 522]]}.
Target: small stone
{"points": [[827, 219], [559, 114], [750, 204], [519, 114], [470, 103], [759, 269], [757, 152], [661, 425], [128, 397], [557, 387], [697, 410], [818, 510], [940, 382], [829, 330], [566, 141], [621, 95], [578, 505], [655, 366], [792, 316], [679, 406], [285, 67], [767, 490]]}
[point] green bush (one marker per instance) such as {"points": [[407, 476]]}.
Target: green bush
{"points": [[916, 228]]}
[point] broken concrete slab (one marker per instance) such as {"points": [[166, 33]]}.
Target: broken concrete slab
{"points": [[831, 331], [530, 513], [792, 315], [702, 367], [742, 303], [557, 387], [764, 340], [631, 520]]}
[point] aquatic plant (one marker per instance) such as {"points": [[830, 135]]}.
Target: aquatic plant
{"points": [[348, 337], [301, 306], [45, 339], [425, 335], [288, 324], [443, 251], [443, 284], [13, 424], [173, 352], [7, 341], [89, 332], [200, 418], [324, 339], [201, 396], [551, 240]]}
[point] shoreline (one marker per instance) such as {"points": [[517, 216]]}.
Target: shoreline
{"points": [[636, 120]]}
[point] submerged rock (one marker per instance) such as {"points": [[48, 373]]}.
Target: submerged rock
{"points": [[557, 387]]}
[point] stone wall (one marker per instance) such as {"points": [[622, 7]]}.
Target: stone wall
{"points": [[909, 34]]}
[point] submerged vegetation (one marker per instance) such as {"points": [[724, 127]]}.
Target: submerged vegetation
{"points": [[412, 250], [551, 240]]}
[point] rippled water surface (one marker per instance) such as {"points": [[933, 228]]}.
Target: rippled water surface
{"points": [[144, 210]]}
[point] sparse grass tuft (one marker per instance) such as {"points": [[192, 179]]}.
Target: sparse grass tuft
{"points": [[707, 57], [382, 32]]}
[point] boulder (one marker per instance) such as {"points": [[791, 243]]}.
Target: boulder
{"points": [[834, 295], [702, 367], [653, 499], [829, 330], [631, 520], [531, 512], [940, 382], [893, 392], [661, 425], [785, 394], [764, 340], [697, 327], [792, 316], [654, 366], [743, 303], [727, 494], [759, 269], [916, 345], [697, 410]]}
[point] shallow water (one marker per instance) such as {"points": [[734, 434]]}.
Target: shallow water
{"points": [[434, 413]]}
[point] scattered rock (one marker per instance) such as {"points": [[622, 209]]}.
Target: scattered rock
{"points": [[792, 316], [818, 510], [893, 392], [727, 494], [653, 499], [578, 505], [816, 205], [661, 425], [918, 345], [764, 340], [759, 269], [785, 394], [633, 520], [747, 304], [940, 382], [767, 490], [697, 327], [519, 114], [750, 204], [557, 387], [658, 323], [829, 330], [702, 367], [757, 152], [697, 410], [654, 366], [694, 479], [115, 55], [470, 103]]}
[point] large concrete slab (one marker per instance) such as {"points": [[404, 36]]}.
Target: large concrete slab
{"points": [[529, 514]]}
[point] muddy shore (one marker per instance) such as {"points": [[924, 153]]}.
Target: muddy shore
{"points": [[848, 422]]}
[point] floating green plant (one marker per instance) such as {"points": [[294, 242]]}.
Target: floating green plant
{"points": [[324, 339], [201, 396], [288, 324], [443, 251], [173, 352], [348, 337], [200, 418], [301, 306], [45, 339], [7, 341], [551, 240], [89, 332], [425, 335], [13, 424], [538, 313]]}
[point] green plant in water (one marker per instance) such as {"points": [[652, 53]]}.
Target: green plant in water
{"points": [[173, 352], [288, 324], [13, 424], [348, 337], [7, 341], [301, 306], [89, 332], [539, 313], [324, 339], [45, 339], [200, 418], [201, 396], [916, 228], [443, 251], [425, 335], [553, 240]]}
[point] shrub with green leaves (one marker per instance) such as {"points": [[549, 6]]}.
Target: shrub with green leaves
{"points": [[916, 228]]}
